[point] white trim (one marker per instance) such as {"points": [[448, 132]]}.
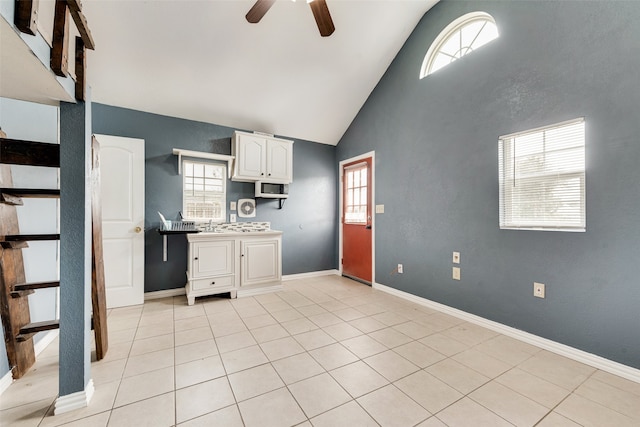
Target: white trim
{"points": [[445, 34], [5, 382], [371, 154], [73, 401], [202, 155], [181, 291], [310, 275], [590, 359], [164, 294], [259, 291]]}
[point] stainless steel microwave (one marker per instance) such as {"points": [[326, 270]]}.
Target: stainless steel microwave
{"points": [[272, 190]]}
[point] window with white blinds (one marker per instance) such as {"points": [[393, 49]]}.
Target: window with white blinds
{"points": [[542, 178], [204, 191]]}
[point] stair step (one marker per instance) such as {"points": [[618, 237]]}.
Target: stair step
{"points": [[36, 285], [31, 329], [28, 237], [17, 152], [32, 192], [24, 289]]}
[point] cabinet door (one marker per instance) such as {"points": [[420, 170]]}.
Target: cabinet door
{"points": [[210, 259], [260, 261], [279, 160], [251, 156]]}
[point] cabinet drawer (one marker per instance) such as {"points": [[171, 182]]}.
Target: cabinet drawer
{"points": [[212, 283]]}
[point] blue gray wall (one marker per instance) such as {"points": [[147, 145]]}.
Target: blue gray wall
{"points": [[308, 218], [436, 144]]}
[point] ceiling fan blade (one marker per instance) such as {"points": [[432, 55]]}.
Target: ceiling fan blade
{"points": [[258, 10], [323, 17]]}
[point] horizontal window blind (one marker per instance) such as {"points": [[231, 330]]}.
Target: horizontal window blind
{"points": [[542, 178]]}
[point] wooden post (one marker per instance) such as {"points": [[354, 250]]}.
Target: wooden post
{"points": [[60, 42], [98, 294], [81, 69], [26, 16]]}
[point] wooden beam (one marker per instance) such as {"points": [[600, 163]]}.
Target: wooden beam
{"points": [[14, 311], [18, 152], [81, 69], [60, 42], [98, 293], [81, 23], [26, 16]]}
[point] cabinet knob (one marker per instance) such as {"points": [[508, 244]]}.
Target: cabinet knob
{"points": [[213, 283], [196, 258], [269, 174], [262, 173]]}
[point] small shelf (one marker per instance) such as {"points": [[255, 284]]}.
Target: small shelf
{"points": [[202, 155]]}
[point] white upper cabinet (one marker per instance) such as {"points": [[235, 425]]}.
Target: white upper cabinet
{"points": [[262, 158]]}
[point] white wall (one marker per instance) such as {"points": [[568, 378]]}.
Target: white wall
{"points": [[35, 122]]}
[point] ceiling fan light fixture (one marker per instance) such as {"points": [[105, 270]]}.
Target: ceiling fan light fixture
{"points": [[318, 7]]}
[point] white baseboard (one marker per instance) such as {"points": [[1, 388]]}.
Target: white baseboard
{"points": [[310, 275], [5, 382], [164, 294], [73, 401], [7, 379], [259, 291], [180, 291], [590, 359]]}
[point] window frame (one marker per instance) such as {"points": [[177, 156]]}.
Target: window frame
{"points": [[357, 167], [507, 148], [222, 196], [446, 34]]}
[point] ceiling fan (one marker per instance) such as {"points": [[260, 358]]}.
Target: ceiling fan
{"points": [[318, 7]]}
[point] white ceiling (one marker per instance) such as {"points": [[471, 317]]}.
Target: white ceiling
{"points": [[201, 60]]}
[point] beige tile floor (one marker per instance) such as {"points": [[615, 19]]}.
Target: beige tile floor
{"points": [[323, 352]]}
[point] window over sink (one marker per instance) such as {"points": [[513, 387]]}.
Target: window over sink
{"points": [[204, 191]]}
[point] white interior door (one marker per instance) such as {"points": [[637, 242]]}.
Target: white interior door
{"points": [[122, 199]]}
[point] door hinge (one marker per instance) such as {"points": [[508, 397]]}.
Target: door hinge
{"points": [[342, 261]]}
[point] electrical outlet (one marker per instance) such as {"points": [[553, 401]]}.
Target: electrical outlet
{"points": [[232, 217], [232, 206], [400, 269], [456, 257], [379, 209], [456, 273], [538, 290]]}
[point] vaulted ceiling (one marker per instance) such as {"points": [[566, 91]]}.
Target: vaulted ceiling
{"points": [[201, 60]]}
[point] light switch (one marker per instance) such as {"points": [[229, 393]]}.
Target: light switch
{"points": [[456, 273], [232, 217], [456, 257], [379, 209], [232, 206]]}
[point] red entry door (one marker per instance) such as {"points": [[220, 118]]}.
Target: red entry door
{"points": [[356, 220]]}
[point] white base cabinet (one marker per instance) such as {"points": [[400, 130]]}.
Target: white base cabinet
{"points": [[238, 263], [260, 262]]}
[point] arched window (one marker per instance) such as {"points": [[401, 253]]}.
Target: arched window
{"points": [[461, 37]]}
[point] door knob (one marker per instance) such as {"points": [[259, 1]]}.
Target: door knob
{"points": [[138, 229]]}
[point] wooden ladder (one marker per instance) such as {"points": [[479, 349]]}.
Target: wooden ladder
{"points": [[14, 304]]}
